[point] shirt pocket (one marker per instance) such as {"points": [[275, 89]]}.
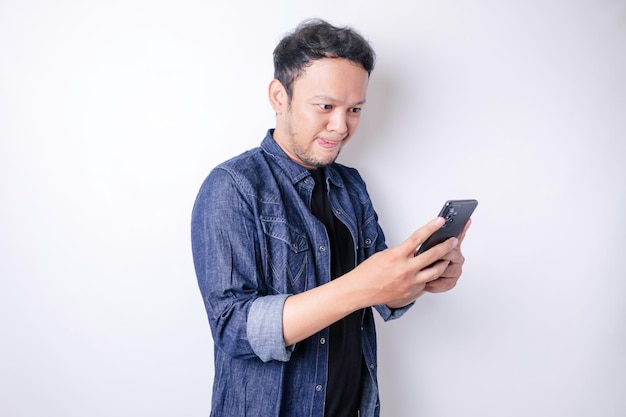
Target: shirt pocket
{"points": [[287, 254]]}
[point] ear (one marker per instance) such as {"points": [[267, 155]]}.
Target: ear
{"points": [[278, 96]]}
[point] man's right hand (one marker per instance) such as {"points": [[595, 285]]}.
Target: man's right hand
{"points": [[396, 277]]}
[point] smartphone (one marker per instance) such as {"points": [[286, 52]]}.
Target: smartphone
{"points": [[456, 213]]}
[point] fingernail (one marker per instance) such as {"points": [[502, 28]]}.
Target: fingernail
{"points": [[439, 221], [455, 242]]}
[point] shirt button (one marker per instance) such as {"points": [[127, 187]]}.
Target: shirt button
{"points": [[368, 241], [338, 211], [318, 388], [322, 248], [322, 341], [371, 366]]}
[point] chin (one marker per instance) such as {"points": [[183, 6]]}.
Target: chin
{"points": [[323, 162]]}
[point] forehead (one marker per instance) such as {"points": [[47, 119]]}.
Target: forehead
{"points": [[336, 78]]}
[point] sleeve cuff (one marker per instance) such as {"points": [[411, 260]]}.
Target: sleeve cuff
{"points": [[265, 328], [392, 313]]}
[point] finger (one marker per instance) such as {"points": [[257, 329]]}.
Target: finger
{"points": [[454, 256], [410, 245], [453, 270], [433, 271], [436, 253], [441, 285]]}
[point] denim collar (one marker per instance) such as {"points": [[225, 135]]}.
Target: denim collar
{"points": [[295, 171]]}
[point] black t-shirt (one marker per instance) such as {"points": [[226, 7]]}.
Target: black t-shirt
{"points": [[345, 364]]}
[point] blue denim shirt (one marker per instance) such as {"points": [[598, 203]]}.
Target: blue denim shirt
{"points": [[255, 243]]}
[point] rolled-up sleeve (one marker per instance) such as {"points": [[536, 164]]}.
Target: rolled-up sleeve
{"points": [[265, 328], [387, 313]]}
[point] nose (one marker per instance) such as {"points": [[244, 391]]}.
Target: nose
{"points": [[338, 123]]}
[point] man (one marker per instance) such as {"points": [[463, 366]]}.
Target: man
{"points": [[288, 251]]}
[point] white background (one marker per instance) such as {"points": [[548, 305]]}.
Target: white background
{"points": [[112, 113]]}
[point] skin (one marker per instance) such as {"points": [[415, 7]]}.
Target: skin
{"points": [[323, 113], [312, 128]]}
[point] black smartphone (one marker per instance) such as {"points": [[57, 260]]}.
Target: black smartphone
{"points": [[456, 213]]}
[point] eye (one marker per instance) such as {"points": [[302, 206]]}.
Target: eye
{"points": [[325, 106], [355, 110]]}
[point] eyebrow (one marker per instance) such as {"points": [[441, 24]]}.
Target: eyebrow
{"points": [[325, 97]]}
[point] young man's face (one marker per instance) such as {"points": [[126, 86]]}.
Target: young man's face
{"points": [[323, 113]]}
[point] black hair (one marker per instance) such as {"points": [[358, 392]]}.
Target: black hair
{"points": [[315, 39]]}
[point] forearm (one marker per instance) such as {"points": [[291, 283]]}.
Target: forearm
{"points": [[309, 312], [394, 277]]}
